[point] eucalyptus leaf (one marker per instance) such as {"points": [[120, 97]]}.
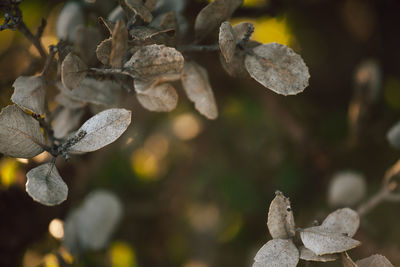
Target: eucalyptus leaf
{"points": [[45, 185], [345, 221], [29, 94], [66, 121], [347, 261], [198, 89], [103, 51], [280, 217], [227, 41], [160, 98], [374, 261], [119, 44], [102, 129], [20, 134], [308, 255], [277, 253], [73, 71], [69, 18], [278, 68]]}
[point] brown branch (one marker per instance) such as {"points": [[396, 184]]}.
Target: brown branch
{"points": [[32, 38]]}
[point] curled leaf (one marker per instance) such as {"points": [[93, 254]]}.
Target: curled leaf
{"points": [[73, 71], [277, 252], [160, 98], [322, 241], [85, 44], [227, 41], [278, 68], [280, 217], [29, 94], [45, 185], [102, 129], [143, 85], [198, 89], [20, 134]]}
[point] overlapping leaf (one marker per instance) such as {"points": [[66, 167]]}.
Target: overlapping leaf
{"points": [[73, 71], [66, 121], [280, 217], [227, 41], [278, 68], [20, 134], [103, 51], [345, 221], [45, 185], [119, 44], [277, 252], [29, 94], [160, 98], [374, 261], [102, 129], [308, 255]]}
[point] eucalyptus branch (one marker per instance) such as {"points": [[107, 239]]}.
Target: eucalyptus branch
{"points": [[198, 48]]}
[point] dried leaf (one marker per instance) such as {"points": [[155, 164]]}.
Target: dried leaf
{"points": [[347, 188], [308, 255], [20, 134], [66, 121], [346, 260], [45, 185], [277, 252], [73, 71], [344, 221], [150, 4], [153, 60], [137, 7], [102, 129], [227, 41], [374, 261], [29, 94], [280, 217], [69, 18], [143, 85], [198, 89], [161, 98], [90, 226], [145, 35], [119, 44], [243, 30], [278, 68], [109, 25], [103, 51], [322, 241], [85, 44], [393, 135], [67, 101], [168, 21], [211, 16]]}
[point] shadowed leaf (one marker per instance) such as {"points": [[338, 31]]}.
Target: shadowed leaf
{"points": [[73, 71], [161, 98], [374, 261], [227, 41], [119, 44], [29, 94]]}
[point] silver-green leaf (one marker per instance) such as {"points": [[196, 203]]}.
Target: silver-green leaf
{"points": [[29, 94], [277, 253]]}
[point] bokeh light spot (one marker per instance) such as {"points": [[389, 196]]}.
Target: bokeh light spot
{"points": [[8, 171], [186, 126], [56, 228], [122, 255]]}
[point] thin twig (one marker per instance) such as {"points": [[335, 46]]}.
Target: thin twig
{"points": [[32, 38], [199, 48]]}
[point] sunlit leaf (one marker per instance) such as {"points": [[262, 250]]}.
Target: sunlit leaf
{"points": [[198, 89], [280, 217], [160, 98], [277, 252], [45, 185], [345, 221], [20, 134], [322, 241], [374, 261], [278, 68], [29, 94], [102, 129]]}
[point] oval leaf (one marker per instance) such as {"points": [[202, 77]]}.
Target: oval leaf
{"points": [[73, 71], [102, 129], [103, 51], [308, 255], [322, 241], [161, 98], [20, 134], [46, 186], [278, 68], [280, 217], [29, 94], [374, 261], [66, 121], [344, 221], [227, 41], [69, 18], [198, 89], [277, 252]]}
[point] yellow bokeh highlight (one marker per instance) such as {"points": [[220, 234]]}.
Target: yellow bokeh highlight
{"points": [[231, 230], [8, 171], [6, 40], [186, 126], [46, 42], [269, 30], [255, 3], [392, 92], [122, 255], [56, 228], [50, 260], [145, 164]]}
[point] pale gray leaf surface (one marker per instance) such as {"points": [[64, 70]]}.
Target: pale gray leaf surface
{"points": [[69, 18], [308, 255], [278, 68], [198, 89], [322, 241], [153, 60], [347, 188], [90, 226], [161, 98], [280, 217], [66, 121], [73, 71], [242, 30], [374, 261], [346, 260], [20, 134], [85, 44], [29, 94], [102, 129], [211, 16], [393, 135], [143, 85], [277, 253], [45, 185], [344, 221], [68, 102], [227, 41], [119, 44], [103, 51]]}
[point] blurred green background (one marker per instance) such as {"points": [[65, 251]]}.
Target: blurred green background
{"points": [[196, 192]]}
